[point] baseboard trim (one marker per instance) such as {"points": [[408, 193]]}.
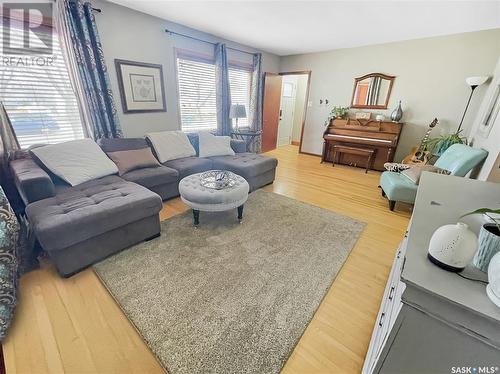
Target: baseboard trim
{"points": [[310, 154]]}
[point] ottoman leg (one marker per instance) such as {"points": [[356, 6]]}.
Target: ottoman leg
{"points": [[196, 216], [240, 213]]}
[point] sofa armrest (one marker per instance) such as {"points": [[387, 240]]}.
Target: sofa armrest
{"points": [[238, 146], [32, 182]]}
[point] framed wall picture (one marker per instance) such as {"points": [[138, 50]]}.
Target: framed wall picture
{"points": [[141, 86]]}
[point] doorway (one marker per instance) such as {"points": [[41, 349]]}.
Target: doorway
{"points": [[285, 104]]}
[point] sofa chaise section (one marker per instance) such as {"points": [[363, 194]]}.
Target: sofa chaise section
{"points": [[258, 170], [86, 223]]}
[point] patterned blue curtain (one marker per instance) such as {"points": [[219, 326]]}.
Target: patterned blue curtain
{"points": [[222, 89], [256, 94], [92, 69]]}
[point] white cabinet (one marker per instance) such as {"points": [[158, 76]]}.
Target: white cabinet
{"points": [[431, 320], [389, 309]]}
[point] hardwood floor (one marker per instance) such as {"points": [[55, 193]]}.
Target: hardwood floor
{"points": [[73, 325]]}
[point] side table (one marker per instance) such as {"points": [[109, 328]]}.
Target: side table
{"points": [[248, 136]]}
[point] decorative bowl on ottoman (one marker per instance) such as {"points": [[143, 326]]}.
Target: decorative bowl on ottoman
{"points": [[214, 191], [217, 179]]}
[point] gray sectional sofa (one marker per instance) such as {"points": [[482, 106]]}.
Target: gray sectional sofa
{"points": [[78, 226]]}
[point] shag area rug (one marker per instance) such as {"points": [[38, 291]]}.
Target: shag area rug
{"points": [[229, 297]]}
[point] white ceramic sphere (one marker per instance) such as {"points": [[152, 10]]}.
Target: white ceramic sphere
{"points": [[453, 245], [493, 287]]}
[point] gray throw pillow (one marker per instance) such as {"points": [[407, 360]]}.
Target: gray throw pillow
{"points": [[133, 159], [415, 172]]}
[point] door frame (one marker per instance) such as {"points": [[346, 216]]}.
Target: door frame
{"points": [[308, 89]]}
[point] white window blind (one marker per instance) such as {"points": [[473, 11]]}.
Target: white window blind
{"points": [[197, 91], [197, 99], [240, 80], [39, 98]]}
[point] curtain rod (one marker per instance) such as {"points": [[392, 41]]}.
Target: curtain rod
{"points": [[205, 41], [97, 10]]}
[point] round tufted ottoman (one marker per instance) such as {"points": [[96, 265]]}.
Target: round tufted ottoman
{"points": [[200, 198]]}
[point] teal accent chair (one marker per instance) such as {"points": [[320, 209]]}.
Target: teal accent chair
{"points": [[459, 159]]}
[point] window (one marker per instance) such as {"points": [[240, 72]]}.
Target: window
{"points": [[38, 96], [240, 80], [197, 100], [197, 92]]}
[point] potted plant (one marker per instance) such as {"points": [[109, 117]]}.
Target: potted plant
{"points": [[440, 144], [489, 238], [337, 112]]}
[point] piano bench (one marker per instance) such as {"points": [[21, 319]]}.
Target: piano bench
{"points": [[369, 153]]}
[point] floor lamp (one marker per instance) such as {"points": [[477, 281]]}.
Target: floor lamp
{"points": [[473, 82]]}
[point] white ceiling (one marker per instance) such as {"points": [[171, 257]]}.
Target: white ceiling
{"points": [[294, 27]]}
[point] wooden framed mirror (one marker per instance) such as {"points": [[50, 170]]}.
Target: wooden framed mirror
{"points": [[372, 91]]}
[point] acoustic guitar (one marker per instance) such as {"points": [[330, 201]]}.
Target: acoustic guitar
{"points": [[420, 155]]}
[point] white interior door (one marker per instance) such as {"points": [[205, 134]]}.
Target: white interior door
{"points": [[288, 92]]}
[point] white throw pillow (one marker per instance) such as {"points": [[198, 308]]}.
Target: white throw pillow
{"points": [[171, 145], [76, 161], [211, 145]]}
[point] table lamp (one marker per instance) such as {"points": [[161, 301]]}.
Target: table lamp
{"points": [[237, 111]]}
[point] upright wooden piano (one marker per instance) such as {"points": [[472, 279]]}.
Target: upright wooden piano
{"points": [[380, 136]]}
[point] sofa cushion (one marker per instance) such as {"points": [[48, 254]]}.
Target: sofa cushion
{"points": [[150, 177], [248, 165], [76, 161], [211, 145], [170, 145], [238, 145], [122, 144], [189, 165], [195, 141], [88, 210], [414, 172], [133, 159]]}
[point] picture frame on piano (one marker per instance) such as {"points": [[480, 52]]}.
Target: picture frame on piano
{"points": [[363, 115]]}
